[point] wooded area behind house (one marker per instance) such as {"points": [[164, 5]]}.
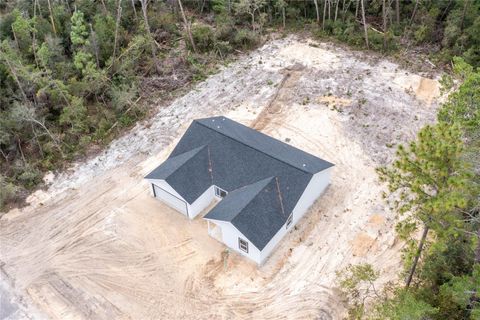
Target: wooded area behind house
{"points": [[75, 74]]}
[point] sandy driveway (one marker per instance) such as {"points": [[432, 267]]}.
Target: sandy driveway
{"points": [[98, 246]]}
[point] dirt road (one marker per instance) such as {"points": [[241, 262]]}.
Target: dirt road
{"points": [[96, 245]]}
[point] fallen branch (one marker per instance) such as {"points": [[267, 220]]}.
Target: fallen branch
{"points": [[430, 63], [376, 30]]}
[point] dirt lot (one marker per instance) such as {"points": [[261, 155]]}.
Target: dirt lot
{"points": [[96, 245]]}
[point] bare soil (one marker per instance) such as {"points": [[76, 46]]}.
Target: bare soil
{"points": [[96, 245]]}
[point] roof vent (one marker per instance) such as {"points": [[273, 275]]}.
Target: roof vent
{"points": [[213, 120], [218, 127], [304, 165]]}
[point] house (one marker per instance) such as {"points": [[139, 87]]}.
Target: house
{"points": [[265, 186]]}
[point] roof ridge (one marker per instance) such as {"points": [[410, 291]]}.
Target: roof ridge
{"points": [[261, 151], [267, 181], [193, 152]]}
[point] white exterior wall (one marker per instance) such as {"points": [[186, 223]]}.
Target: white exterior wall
{"points": [[265, 253], [165, 193], [201, 203], [197, 206], [164, 185], [315, 188], [230, 236]]}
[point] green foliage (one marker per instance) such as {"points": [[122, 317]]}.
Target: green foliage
{"points": [[164, 21], [83, 62], [104, 27], [250, 8], [461, 31], [403, 306], [459, 290], [355, 275], [6, 21], [245, 39], [123, 95], [357, 284], [7, 191], [74, 116], [79, 31], [463, 105], [219, 7], [203, 36], [22, 29], [29, 176], [429, 176]]}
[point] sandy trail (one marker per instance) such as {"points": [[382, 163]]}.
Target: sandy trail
{"points": [[96, 245]]}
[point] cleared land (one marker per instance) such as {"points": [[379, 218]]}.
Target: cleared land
{"points": [[96, 245]]}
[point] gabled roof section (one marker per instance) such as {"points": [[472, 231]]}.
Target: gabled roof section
{"points": [[188, 173], [265, 144], [170, 165], [255, 210], [236, 201]]}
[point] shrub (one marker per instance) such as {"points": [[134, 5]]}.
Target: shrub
{"points": [[375, 40], [163, 20], [203, 37], [123, 95], [245, 39], [29, 177], [421, 34], [222, 48], [225, 28], [7, 191]]}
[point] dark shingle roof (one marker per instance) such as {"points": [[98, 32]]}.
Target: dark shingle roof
{"points": [[188, 173], [241, 208], [172, 164], [229, 155], [265, 144], [237, 200]]}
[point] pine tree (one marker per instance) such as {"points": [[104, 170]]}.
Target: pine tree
{"points": [[430, 182]]}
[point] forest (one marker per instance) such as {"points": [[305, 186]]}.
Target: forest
{"points": [[75, 75]]}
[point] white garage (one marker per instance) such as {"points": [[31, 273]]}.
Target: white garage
{"points": [[170, 199]]}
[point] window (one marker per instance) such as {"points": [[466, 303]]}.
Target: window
{"points": [[220, 192], [289, 220], [243, 245]]}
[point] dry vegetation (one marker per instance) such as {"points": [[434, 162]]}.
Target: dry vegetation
{"points": [[96, 245]]}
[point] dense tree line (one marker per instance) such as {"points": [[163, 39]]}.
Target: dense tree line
{"points": [[434, 185]]}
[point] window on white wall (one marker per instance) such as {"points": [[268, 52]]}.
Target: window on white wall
{"points": [[289, 220], [220, 192], [243, 245]]}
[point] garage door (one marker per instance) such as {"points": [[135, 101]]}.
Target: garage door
{"points": [[171, 200]]}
